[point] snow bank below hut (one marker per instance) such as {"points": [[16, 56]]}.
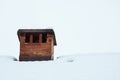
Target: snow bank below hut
{"points": [[72, 67]]}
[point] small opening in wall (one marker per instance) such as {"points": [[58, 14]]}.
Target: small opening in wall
{"points": [[44, 37], [35, 38], [27, 38]]}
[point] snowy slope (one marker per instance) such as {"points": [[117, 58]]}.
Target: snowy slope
{"points": [[7, 58], [73, 67]]}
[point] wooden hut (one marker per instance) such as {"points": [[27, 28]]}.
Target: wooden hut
{"points": [[36, 44]]}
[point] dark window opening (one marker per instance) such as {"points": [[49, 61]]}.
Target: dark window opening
{"points": [[35, 38], [27, 38], [44, 37]]}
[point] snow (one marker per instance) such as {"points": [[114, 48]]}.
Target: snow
{"points": [[7, 58], [71, 67]]}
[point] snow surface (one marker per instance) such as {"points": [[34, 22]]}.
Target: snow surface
{"points": [[72, 67], [7, 58]]}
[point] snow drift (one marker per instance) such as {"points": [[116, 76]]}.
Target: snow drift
{"points": [[73, 67], [7, 58]]}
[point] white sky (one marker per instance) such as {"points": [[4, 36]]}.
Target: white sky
{"points": [[81, 26]]}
